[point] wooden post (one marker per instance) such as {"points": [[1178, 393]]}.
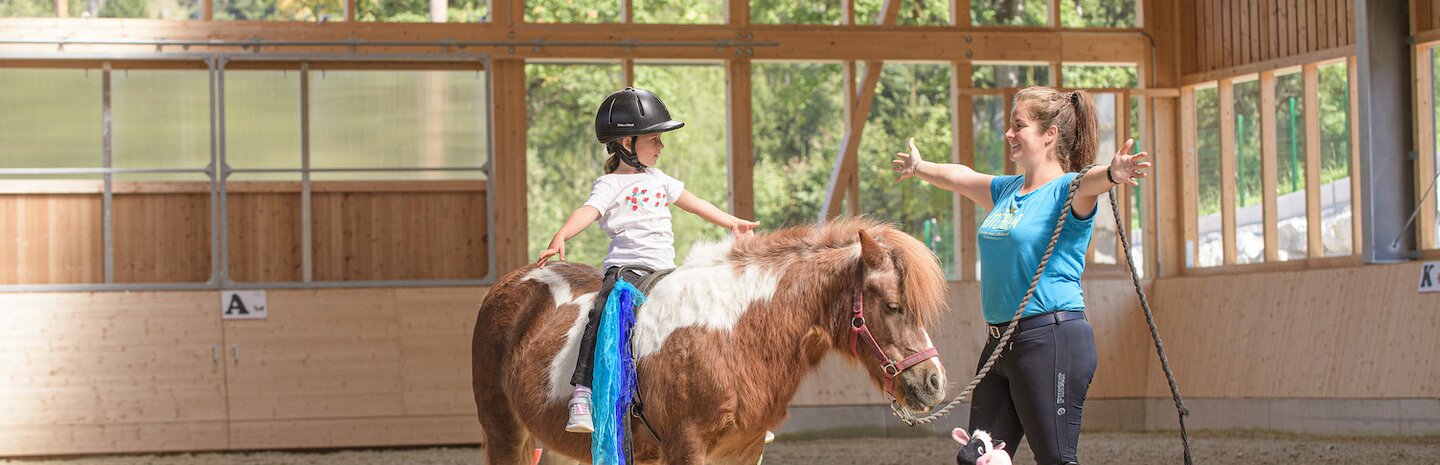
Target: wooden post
{"points": [[741, 138], [963, 153], [1312, 161], [1189, 178], [1268, 166], [1357, 209], [1424, 112], [509, 182], [1227, 169]]}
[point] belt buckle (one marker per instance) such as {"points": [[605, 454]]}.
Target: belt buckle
{"points": [[994, 332]]}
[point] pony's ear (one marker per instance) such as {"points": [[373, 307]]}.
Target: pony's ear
{"points": [[870, 250]]}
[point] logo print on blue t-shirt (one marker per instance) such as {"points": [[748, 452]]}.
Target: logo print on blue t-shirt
{"points": [[1000, 221]]}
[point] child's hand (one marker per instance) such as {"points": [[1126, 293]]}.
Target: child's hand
{"points": [[743, 228], [557, 247]]}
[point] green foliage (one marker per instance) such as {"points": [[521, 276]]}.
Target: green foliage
{"points": [[1207, 136], [418, 11], [26, 8], [911, 12], [679, 11], [562, 157], [572, 11], [1290, 133], [1247, 144], [1098, 13], [798, 125], [1010, 12], [1100, 76], [696, 154], [280, 10], [1334, 123], [910, 100], [795, 12], [990, 76]]}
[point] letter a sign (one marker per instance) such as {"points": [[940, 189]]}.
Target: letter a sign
{"points": [[242, 305]]}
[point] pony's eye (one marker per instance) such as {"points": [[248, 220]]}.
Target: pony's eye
{"points": [[894, 307]]}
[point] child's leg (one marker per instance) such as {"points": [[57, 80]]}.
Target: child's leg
{"points": [[584, 374]]}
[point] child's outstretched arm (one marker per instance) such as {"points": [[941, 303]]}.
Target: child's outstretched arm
{"points": [[710, 213], [578, 221]]}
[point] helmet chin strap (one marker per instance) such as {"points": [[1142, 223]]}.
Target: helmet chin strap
{"points": [[629, 156]]}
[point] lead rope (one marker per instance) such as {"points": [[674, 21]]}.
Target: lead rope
{"points": [[910, 420], [1154, 331]]}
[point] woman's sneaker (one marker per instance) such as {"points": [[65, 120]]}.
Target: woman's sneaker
{"points": [[580, 419]]}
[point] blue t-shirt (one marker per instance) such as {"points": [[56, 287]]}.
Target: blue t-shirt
{"points": [[1012, 240]]}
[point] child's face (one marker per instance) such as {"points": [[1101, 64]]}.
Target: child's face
{"points": [[647, 148]]}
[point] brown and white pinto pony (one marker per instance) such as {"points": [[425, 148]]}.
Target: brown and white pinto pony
{"points": [[722, 344]]}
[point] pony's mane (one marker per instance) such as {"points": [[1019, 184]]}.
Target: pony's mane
{"points": [[924, 291]]}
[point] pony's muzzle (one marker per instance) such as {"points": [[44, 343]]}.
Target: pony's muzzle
{"points": [[924, 386]]}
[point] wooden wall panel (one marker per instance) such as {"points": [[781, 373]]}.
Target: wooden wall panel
{"points": [[51, 239], [265, 236], [110, 372], [383, 236], [319, 355], [162, 237], [356, 367], [1233, 34], [1358, 332]]}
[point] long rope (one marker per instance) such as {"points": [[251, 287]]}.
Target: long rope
{"points": [[1154, 331], [1015, 320]]}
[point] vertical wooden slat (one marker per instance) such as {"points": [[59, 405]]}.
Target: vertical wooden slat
{"points": [[1227, 169], [1419, 16], [1228, 34], [1268, 169], [1188, 175], [1122, 134], [1357, 211], [1054, 14], [737, 12], [1240, 11], [1424, 111], [1267, 29], [1312, 18], [349, 10], [1188, 62], [513, 11], [1287, 27], [1303, 26], [1312, 161], [959, 13], [962, 127], [1192, 27], [1322, 20], [1216, 32], [509, 184], [627, 73], [741, 161], [1434, 15], [207, 9]]}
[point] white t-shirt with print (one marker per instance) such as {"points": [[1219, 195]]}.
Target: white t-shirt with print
{"points": [[635, 213]]}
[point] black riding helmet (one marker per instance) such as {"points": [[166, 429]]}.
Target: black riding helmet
{"points": [[631, 112]]}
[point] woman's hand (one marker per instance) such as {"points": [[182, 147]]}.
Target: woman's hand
{"points": [[557, 247], [905, 163], [743, 228], [1126, 168]]}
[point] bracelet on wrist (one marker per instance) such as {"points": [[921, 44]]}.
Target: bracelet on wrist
{"points": [[1109, 175]]}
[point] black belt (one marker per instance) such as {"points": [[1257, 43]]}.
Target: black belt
{"points": [[1032, 322]]}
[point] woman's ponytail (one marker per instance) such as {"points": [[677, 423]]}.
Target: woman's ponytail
{"points": [[1086, 140]]}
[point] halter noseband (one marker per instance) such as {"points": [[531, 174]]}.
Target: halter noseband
{"points": [[858, 330]]}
